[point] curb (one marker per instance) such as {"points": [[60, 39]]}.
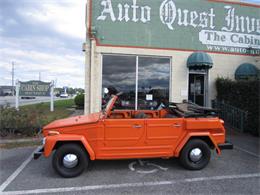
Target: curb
{"points": [[6, 141]]}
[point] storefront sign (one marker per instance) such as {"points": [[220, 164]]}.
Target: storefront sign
{"points": [[178, 24], [34, 88]]}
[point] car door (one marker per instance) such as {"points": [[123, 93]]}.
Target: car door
{"points": [[123, 137], [162, 134]]}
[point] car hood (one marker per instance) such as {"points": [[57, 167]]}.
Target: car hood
{"points": [[72, 121]]}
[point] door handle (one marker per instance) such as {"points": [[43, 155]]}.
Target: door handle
{"points": [[137, 126], [176, 125]]}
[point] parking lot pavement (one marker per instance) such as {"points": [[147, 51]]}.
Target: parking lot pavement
{"points": [[10, 160], [245, 142], [235, 171]]}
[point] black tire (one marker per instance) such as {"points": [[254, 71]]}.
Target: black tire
{"points": [[61, 152], [185, 158]]}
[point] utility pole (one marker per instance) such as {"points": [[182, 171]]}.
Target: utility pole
{"points": [[12, 78], [39, 76]]}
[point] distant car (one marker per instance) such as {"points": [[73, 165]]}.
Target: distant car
{"points": [[173, 131], [64, 95], [28, 97]]}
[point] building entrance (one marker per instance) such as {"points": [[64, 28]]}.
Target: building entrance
{"points": [[197, 88]]}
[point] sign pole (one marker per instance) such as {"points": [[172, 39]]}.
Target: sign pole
{"points": [[52, 96], [17, 88]]}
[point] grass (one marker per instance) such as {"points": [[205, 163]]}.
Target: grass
{"points": [[61, 110]]}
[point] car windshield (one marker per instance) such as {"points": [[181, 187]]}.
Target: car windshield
{"points": [[108, 104]]}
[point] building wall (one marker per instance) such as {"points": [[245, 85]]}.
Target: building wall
{"points": [[224, 66]]}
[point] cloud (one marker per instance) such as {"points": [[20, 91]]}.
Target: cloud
{"points": [[28, 63], [252, 1], [43, 36], [62, 16]]}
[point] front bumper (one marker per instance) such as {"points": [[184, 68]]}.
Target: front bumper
{"points": [[38, 153], [226, 146]]}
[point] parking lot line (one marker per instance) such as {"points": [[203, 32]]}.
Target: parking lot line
{"points": [[246, 151], [17, 171], [123, 185]]}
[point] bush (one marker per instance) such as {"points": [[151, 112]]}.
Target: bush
{"points": [[244, 95], [13, 121], [31, 118], [79, 100]]}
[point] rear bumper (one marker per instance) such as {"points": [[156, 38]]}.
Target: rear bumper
{"points": [[38, 153], [226, 146]]}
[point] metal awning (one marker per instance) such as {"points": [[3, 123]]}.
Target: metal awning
{"points": [[199, 60], [246, 71]]}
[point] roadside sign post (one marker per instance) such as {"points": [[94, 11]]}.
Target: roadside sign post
{"points": [[52, 96], [35, 88], [17, 88]]}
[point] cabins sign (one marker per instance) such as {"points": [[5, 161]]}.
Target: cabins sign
{"points": [[34, 88], [178, 24]]}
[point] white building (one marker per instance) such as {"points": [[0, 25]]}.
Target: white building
{"points": [[171, 50]]}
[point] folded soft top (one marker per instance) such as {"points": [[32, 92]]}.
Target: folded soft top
{"points": [[189, 109]]}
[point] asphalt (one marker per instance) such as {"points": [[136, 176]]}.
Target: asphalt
{"points": [[10, 160], [234, 172]]}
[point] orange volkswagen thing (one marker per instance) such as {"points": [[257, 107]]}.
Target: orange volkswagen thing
{"points": [[185, 131]]}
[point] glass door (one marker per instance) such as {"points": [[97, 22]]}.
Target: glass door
{"points": [[197, 89]]}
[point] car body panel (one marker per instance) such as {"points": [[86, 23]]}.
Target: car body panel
{"points": [[203, 123], [52, 140], [189, 135], [120, 135], [73, 121]]}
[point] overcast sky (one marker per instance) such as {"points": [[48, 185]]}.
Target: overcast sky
{"points": [[252, 1], [43, 36]]}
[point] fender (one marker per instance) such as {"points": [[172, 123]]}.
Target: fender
{"points": [[194, 134], [52, 140]]}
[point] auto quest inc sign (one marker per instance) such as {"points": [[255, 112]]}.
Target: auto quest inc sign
{"points": [[177, 24], [34, 88]]}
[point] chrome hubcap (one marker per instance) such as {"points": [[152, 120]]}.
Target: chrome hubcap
{"points": [[195, 154], [70, 160]]}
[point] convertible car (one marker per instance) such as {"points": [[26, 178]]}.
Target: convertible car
{"points": [[185, 131]]}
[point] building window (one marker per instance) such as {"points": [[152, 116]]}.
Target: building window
{"points": [[153, 82], [143, 80]]}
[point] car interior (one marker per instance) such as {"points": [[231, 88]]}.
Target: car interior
{"points": [[173, 110]]}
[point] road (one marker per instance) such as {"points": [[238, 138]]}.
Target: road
{"points": [[234, 172], [4, 100]]}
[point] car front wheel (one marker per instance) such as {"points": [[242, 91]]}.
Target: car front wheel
{"points": [[70, 160], [195, 155]]}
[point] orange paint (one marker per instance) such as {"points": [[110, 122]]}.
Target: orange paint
{"points": [[119, 135]]}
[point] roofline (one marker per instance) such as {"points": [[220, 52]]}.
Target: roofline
{"points": [[237, 3]]}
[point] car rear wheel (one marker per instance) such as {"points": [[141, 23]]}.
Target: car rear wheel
{"points": [[195, 155], [70, 160]]}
